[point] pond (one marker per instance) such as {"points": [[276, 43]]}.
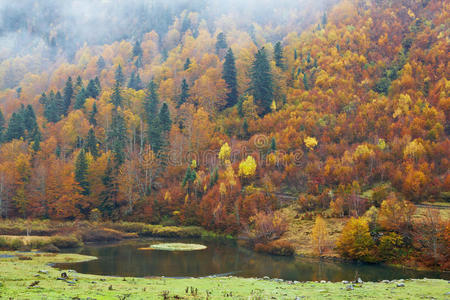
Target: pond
{"points": [[226, 258]]}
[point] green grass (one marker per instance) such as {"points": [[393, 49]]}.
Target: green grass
{"points": [[17, 275]]}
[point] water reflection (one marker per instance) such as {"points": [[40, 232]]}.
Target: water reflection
{"points": [[123, 259]]}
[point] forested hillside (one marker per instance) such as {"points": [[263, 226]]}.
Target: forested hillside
{"points": [[192, 119]]}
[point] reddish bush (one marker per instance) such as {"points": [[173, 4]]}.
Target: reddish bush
{"points": [[278, 247]]}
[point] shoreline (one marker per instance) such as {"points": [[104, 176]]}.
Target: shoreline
{"points": [[34, 278]]}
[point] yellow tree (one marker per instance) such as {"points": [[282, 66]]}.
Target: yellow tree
{"points": [[320, 235], [224, 153], [247, 168]]}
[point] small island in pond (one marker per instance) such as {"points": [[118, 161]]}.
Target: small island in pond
{"points": [[175, 247]]}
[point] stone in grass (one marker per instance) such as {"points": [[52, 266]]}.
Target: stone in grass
{"points": [[350, 287], [360, 280], [400, 284], [43, 272], [345, 282], [385, 281]]}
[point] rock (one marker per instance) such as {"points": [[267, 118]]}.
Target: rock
{"points": [[266, 278], [43, 272], [323, 281], [345, 282], [349, 287], [446, 294], [385, 281], [360, 280], [400, 284], [401, 280], [278, 280], [296, 282]]}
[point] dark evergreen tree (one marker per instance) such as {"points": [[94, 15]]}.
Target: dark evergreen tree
{"points": [[295, 54], [187, 64], [92, 119], [305, 81], [16, 128], [80, 99], [245, 129], [43, 99], [261, 82], [132, 81], [137, 50], [29, 118], [117, 136], [79, 82], [324, 19], [240, 108], [100, 63], [189, 178], [153, 124], [97, 83], [278, 55], [229, 76], [59, 104], [91, 143], [214, 177], [108, 196], [51, 111], [67, 95], [92, 90], [116, 97], [18, 92], [138, 83], [58, 151], [184, 95], [120, 78], [164, 118], [30, 124], [221, 42], [37, 141], [81, 168], [273, 145]]}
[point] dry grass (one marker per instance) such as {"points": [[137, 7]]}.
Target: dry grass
{"points": [[299, 232]]}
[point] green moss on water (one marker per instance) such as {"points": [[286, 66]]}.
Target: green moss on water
{"points": [[17, 275]]}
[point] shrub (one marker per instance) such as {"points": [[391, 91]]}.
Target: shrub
{"points": [[355, 241], [267, 226], [390, 246], [65, 241], [278, 247], [49, 248]]}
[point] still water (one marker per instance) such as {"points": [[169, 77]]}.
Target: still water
{"points": [[226, 258]]}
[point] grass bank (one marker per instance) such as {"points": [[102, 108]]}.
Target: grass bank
{"points": [[19, 234], [32, 278]]}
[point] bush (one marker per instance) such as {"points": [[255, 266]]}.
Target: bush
{"points": [[278, 247], [65, 241], [390, 246], [101, 235], [356, 242], [49, 248]]}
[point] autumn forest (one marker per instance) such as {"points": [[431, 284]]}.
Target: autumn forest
{"points": [[232, 118]]}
